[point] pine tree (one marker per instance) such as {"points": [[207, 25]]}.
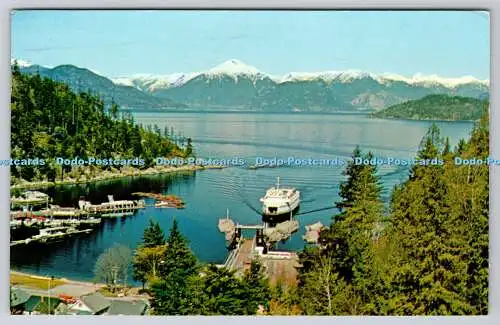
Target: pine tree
{"points": [[469, 202], [178, 256], [223, 293], [189, 147], [153, 235], [259, 293], [171, 293], [353, 230]]}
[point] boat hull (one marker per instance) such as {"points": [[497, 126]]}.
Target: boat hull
{"points": [[279, 216]]}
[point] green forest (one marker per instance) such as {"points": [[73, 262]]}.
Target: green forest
{"points": [[49, 120], [426, 255], [436, 107]]}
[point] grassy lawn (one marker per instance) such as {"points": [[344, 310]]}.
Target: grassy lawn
{"points": [[34, 281], [106, 292]]}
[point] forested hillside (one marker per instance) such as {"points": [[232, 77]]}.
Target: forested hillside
{"points": [[436, 107], [428, 255], [81, 79], [49, 120]]}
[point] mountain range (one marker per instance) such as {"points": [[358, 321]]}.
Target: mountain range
{"points": [[238, 86], [81, 79]]}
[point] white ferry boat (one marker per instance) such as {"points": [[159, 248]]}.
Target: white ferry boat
{"points": [[280, 201]]}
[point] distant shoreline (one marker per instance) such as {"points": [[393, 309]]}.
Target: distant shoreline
{"points": [[392, 118], [108, 175], [242, 111]]}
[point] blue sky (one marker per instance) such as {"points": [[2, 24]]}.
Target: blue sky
{"points": [[121, 43]]}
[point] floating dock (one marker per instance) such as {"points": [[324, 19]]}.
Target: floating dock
{"points": [[50, 235], [280, 232], [164, 200], [54, 222], [112, 207], [85, 209]]}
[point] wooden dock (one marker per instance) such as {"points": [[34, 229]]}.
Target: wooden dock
{"points": [[280, 267], [241, 255]]}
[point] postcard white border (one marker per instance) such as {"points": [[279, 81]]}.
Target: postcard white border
{"points": [[493, 6]]}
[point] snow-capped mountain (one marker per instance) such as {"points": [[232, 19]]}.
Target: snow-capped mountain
{"points": [[236, 68], [232, 68], [420, 79]]}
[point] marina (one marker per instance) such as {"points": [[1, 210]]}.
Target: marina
{"points": [[85, 210], [56, 223]]}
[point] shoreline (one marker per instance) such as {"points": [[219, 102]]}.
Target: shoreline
{"points": [[112, 175]]}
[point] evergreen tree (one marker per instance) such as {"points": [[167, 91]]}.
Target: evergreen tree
{"points": [[353, 230], [171, 293], [189, 147], [178, 256], [223, 293], [153, 235], [259, 293]]}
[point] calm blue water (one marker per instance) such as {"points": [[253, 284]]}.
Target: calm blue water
{"points": [[208, 193]]}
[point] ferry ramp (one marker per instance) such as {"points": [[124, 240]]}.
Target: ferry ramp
{"points": [[280, 267]]}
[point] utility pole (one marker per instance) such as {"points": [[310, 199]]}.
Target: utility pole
{"points": [[48, 293]]}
